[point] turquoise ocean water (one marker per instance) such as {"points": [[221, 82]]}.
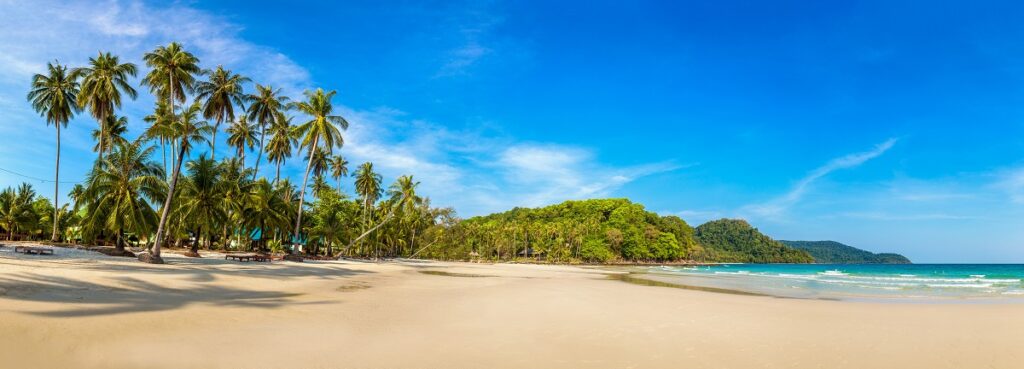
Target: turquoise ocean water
{"points": [[925, 282]]}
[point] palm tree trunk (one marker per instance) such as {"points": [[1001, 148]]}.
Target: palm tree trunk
{"points": [[163, 153], [213, 142], [103, 133], [119, 246], [56, 187], [259, 157], [167, 206], [302, 193], [277, 175], [195, 244]]}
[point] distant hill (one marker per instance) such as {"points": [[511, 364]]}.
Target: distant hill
{"points": [[734, 240], [831, 252]]}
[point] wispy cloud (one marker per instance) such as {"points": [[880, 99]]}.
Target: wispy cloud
{"points": [[779, 205], [1012, 182]]}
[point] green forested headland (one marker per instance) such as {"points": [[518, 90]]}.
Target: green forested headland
{"points": [[734, 240], [831, 252], [605, 230]]}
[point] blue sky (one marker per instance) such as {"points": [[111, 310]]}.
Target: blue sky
{"points": [[885, 125]]}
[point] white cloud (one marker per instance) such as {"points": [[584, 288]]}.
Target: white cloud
{"points": [[779, 205]]}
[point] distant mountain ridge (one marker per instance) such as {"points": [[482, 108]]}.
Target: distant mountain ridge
{"points": [[831, 252]]}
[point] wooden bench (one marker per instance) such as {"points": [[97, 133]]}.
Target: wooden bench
{"points": [[28, 250], [248, 257], [239, 257]]}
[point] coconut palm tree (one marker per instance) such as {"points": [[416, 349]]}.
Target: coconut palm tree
{"points": [[266, 209], [220, 94], [235, 183], [405, 201], [103, 82], [242, 135], [118, 193], [267, 104], [368, 186], [111, 133], [161, 128], [319, 162], [55, 97], [173, 72], [321, 129], [202, 198], [16, 208], [339, 169], [282, 140], [319, 186], [188, 130]]}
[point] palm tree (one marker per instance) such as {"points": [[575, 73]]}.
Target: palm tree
{"points": [[339, 169], [188, 130], [319, 186], [242, 135], [405, 201], [235, 186], [368, 186], [319, 163], [103, 82], [220, 95], [321, 129], [111, 134], [282, 140], [174, 71], [55, 97], [16, 208], [118, 193], [161, 128], [202, 199], [267, 105], [267, 208]]}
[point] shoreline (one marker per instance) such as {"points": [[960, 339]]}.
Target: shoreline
{"points": [[107, 312]]}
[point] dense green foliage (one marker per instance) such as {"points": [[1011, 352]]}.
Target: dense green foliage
{"points": [[589, 231], [831, 252], [734, 240], [192, 197]]}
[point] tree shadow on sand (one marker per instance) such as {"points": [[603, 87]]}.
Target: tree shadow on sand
{"points": [[207, 269], [81, 298]]}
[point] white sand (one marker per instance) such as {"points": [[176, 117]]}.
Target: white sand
{"points": [[85, 310]]}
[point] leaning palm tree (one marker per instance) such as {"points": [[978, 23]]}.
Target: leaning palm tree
{"points": [[188, 130], [173, 74], [242, 135], [339, 169], [282, 140], [118, 193], [55, 97], [220, 94], [103, 82], [110, 134], [321, 129], [201, 199], [267, 104]]}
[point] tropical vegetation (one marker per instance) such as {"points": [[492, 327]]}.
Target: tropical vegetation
{"points": [[166, 186], [831, 252]]}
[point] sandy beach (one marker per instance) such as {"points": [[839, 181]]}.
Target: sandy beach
{"points": [[84, 310]]}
